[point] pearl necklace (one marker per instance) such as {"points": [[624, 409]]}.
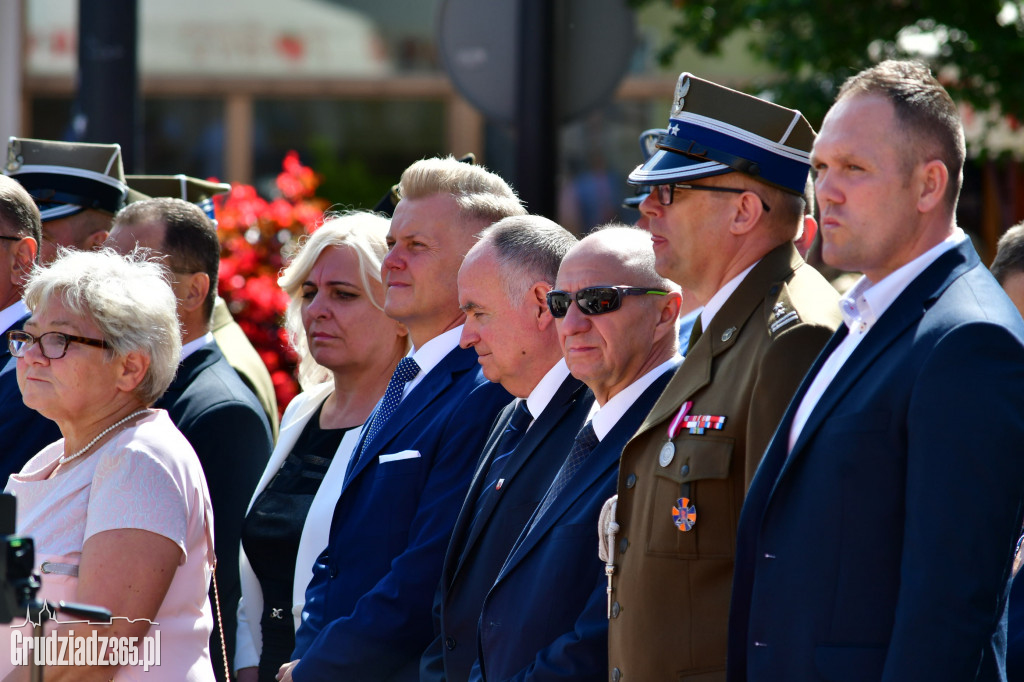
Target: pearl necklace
{"points": [[67, 458]]}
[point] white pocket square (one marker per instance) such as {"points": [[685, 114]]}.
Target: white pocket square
{"points": [[404, 454]]}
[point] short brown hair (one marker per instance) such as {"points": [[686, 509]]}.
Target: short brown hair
{"points": [[926, 113]]}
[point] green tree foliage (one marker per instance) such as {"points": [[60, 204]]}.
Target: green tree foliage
{"points": [[975, 47]]}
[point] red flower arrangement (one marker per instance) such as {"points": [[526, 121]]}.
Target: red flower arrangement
{"points": [[253, 232]]}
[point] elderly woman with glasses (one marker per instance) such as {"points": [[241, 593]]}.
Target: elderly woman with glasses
{"points": [[348, 349], [118, 508]]}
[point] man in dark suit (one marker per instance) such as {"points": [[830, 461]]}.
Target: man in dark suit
{"points": [[503, 286], [877, 540], [207, 401], [546, 616], [23, 431], [367, 613], [726, 204], [231, 340]]}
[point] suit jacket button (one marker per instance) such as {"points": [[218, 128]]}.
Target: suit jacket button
{"points": [[616, 674], [449, 642], [623, 544], [685, 471], [630, 480], [615, 610], [334, 572]]}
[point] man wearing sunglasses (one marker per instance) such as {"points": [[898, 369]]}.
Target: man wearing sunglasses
{"points": [[503, 285], [23, 431], [546, 616], [726, 204]]}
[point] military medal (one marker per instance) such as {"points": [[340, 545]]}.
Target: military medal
{"points": [[668, 450], [684, 514]]}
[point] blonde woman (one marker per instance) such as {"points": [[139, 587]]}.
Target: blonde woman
{"points": [[348, 349]]}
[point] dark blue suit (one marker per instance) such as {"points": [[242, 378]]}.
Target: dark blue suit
{"points": [[546, 617], [367, 613], [23, 431], [227, 427], [881, 548], [478, 550]]}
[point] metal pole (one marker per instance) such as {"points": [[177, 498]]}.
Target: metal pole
{"points": [[107, 100], [536, 118]]}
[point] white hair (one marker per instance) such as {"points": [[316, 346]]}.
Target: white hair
{"points": [[127, 298]]}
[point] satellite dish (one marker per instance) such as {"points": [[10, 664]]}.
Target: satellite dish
{"points": [[594, 43]]}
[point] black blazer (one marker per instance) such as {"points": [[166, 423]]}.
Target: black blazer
{"points": [[226, 425], [23, 431], [477, 551]]}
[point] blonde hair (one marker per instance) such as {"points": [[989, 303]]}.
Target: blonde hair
{"points": [[361, 232], [480, 194]]}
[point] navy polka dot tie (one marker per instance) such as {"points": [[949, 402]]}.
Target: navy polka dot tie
{"points": [[510, 438], [405, 372], [586, 441]]}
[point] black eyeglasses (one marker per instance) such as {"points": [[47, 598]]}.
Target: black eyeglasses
{"points": [[594, 300], [667, 192], [11, 239], [53, 344]]}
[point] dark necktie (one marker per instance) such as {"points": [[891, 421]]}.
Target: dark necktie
{"points": [[695, 333], [510, 438], [405, 372], [586, 441]]}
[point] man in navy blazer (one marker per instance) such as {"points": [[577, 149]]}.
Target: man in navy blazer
{"points": [[503, 286], [23, 431], [368, 605], [546, 616], [877, 539], [208, 402]]}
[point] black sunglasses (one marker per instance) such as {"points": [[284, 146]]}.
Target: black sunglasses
{"points": [[53, 344], [665, 193], [594, 300]]}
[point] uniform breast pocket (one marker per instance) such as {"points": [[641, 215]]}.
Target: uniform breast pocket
{"points": [[699, 472]]}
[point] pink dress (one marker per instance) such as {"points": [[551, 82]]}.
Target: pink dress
{"points": [[147, 477]]}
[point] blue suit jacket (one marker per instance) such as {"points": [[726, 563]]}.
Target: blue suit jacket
{"points": [[227, 427], [23, 431], [367, 612], [546, 617], [881, 548], [477, 551]]}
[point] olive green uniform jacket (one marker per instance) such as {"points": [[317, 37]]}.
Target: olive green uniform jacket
{"points": [[671, 588]]}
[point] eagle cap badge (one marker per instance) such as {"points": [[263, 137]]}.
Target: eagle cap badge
{"points": [[679, 99]]}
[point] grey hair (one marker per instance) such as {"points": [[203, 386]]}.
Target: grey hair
{"points": [[480, 194], [127, 297], [528, 249], [634, 247], [1009, 254], [363, 233]]}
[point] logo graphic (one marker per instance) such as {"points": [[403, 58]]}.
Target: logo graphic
{"points": [[64, 647]]}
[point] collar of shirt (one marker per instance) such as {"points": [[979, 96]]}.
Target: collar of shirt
{"points": [[606, 416], [866, 301], [545, 390], [431, 353], [11, 314], [195, 344], [721, 296]]}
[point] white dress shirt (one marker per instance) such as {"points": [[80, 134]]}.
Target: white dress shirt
{"points": [[861, 308], [605, 417], [430, 354]]}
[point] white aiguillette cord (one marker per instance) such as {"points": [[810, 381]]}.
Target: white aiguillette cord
{"points": [[607, 528], [64, 459]]}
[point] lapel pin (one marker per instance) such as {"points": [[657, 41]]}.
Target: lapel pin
{"points": [[727, 334]]}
